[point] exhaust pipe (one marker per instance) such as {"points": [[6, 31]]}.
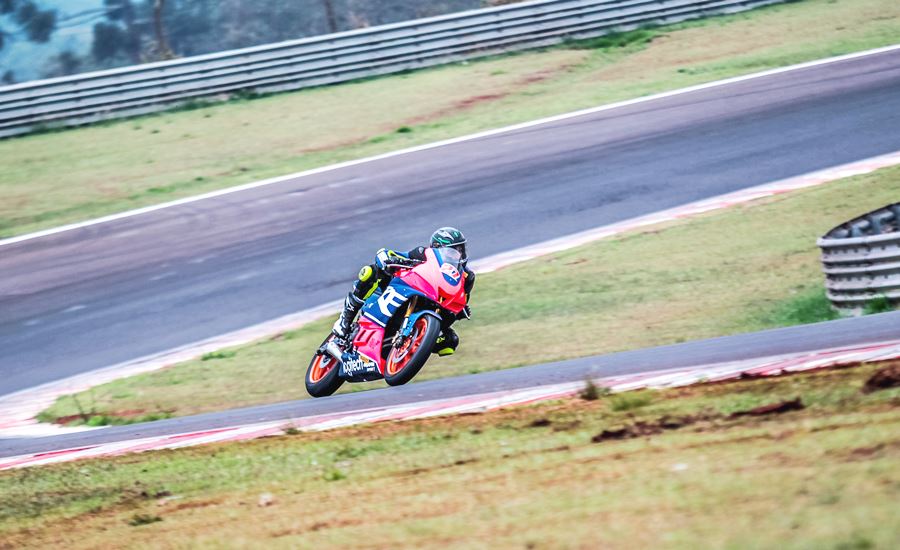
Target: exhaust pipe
{"points": [[333, 350]]}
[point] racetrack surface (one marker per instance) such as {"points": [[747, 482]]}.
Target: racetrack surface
{"points": [[92, 297], [846, 332]]}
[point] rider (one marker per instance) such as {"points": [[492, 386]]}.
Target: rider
{"points": [[377, 276]]}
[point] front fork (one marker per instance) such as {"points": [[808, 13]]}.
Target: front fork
{"points": [[403, 333]]}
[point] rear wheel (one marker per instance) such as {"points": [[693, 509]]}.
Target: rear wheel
{"points": [[406, 360], [322, 374]]}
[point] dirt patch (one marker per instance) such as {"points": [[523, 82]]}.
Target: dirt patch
{"points": [[566, 426], [193, 505], [131, 414], [775, 408], [866, 452], [642, 429], [331, 146], [318, 526], [869, 452], [474, 101], [887, 377], [420, 471]]}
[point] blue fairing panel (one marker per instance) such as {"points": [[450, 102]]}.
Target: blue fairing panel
{"points": [[381, 307]]}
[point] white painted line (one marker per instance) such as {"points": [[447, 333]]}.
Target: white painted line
{"points": [[443, 143]]}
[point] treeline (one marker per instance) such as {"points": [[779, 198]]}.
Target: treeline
{"points": [[127, 32]]}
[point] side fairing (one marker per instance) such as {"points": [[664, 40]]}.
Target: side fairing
{"points": [[380, 308]]}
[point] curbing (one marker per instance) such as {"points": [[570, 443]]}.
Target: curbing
{"points": [[718, 372]]}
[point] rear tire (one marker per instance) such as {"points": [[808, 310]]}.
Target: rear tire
{"points": [[405, 362], [322, 374]]}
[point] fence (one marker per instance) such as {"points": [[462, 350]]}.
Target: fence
{"points": [[861, 259], [333, 58]]}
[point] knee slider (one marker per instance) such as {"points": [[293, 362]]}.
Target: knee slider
{"points": [[366, 273]]}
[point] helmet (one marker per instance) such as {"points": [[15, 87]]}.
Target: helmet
{"points": [[450, 237]]}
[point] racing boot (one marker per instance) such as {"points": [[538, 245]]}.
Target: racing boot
{"points": [[446, 343], [352, 305]]}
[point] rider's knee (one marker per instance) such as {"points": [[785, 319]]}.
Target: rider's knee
{"points": [[368, 281], [366, 273]]}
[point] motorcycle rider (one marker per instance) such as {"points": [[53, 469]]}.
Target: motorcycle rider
{"points": [[377, 276]]}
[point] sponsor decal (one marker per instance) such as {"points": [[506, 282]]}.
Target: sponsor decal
{"points": [[358, 364]]}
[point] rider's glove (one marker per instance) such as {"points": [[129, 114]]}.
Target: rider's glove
{"points": [[466, 313], [385, 257], [388, 259]]}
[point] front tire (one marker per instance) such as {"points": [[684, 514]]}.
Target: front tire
{"points": [[322, 373], [405, 361]]}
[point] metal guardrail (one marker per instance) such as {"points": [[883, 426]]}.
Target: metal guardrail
{"points": [[861, 259], [333, 58]]}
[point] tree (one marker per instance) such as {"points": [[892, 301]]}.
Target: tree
{"points": [[25, 16], [63, 64], [330, 16], [122, 34], [162, 47]]}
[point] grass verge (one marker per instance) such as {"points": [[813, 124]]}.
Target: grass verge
{"points": [[73, 175], [701, 466], [732, 271]]}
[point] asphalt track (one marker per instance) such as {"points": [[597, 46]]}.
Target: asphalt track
{"points": [[845, 332], [88, 298]]}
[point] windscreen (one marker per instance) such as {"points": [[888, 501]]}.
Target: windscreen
{"points": [[447, 255]]}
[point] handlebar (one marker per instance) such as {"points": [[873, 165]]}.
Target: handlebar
{"points": [[404, 263]]}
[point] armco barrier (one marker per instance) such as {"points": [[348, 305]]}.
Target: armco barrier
{"points": [[861, 259], [328, 59]]}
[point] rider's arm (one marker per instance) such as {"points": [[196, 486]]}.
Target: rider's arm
{"points": [[469, 276], [386, 257]]}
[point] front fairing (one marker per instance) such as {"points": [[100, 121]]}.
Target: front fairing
{"points": [[439, 278]]}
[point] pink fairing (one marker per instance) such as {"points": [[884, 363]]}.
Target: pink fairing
{"points": [[368, 341], [428, 278]]}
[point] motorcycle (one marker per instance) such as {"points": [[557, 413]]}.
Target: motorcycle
{"points": [[388, 340]]}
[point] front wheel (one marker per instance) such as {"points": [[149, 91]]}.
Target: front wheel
{"points": [[322, 374], [406, 360]]}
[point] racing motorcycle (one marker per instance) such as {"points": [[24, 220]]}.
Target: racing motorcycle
{"points": [[397, 329]]}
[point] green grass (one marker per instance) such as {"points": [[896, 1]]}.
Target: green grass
{"points": [[681, 473], [629, 401], [806, 306], [880, 304], [637, 37], [220, 354], [728, 272], [67, 176]]}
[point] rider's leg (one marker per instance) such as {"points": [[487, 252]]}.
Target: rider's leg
{"points": [[366, 283]]}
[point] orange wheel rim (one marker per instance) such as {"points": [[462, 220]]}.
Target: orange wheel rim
{"points": [[400, 357], [320, 367]]}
